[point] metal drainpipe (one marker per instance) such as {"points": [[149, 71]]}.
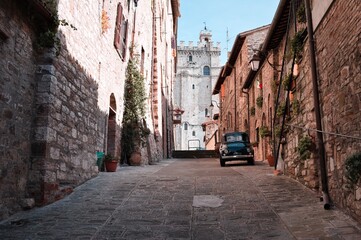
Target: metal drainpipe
{"points": [[321, 146], [248, 117], [235, 99]]}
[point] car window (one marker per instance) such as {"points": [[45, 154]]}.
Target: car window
{"points": [[240, 137]]}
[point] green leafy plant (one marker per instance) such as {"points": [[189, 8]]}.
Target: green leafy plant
{"points": [[297, 43], [304, 147], [47, 30], [253, 111], [134, 131], [353, 168], [259, 101], [286, 81], [301, 14], [264, 131], [295, 107], [109, 157], [281, 109]]}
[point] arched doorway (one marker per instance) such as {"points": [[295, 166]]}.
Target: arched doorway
{"points": [[112, 126]]}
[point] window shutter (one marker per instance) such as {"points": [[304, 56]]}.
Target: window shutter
{"points": [[118, 27], [124, 38]]}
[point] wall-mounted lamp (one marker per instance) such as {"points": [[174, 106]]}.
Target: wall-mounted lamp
{"points": [[255, 61], [257, 58]]}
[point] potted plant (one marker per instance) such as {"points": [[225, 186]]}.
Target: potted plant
{"points": [[281, 109], [253, 111], [304, 147], [297, 44], [264, 131], [259, 101], [271, 160], [110, 163]]}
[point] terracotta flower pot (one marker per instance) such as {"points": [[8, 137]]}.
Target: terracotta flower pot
{"points": [[135, 159], [271, 160], [111, 166]]}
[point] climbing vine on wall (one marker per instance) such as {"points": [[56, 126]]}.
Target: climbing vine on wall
{"points": [[304, 147], [353, 168], [46, 22]]}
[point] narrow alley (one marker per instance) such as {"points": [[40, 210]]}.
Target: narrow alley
{"points": [[185, 199]]}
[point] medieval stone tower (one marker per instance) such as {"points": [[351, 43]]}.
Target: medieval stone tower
{"points": [[197, 72]]}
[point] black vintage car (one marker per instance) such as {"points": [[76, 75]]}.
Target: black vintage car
{"points": [[235, 146]]}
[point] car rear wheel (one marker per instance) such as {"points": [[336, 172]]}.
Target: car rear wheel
{"points": [[250, 161], [222, 162]]}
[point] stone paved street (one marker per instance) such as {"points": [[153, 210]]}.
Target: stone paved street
{"points": [[185, 199]]}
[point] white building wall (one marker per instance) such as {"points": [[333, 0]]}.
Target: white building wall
{"points": [[193, 89]]}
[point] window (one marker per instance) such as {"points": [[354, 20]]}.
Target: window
{"points": [[142, 56], [229, 121], [257, 135], [193, 87], [206, 112], [120, 36], [190, 58], [185, 126], [206, 71], [194, 133]]}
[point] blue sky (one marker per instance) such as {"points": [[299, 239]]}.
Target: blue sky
{"points": [[236, 15]]}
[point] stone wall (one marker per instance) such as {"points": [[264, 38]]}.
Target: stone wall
{"points": [[17, 91], [338, 45], [68, 129]]}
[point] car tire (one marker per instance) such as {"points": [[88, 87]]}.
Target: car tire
{"points": [[222, 162], [250, 161]]}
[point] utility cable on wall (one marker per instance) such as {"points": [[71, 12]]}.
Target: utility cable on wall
{"points": [[324, 132]]}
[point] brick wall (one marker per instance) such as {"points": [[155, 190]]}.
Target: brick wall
{"points": [[338, 44]]}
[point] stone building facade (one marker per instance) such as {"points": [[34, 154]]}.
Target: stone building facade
{"points": [[234, 113], [61, 105], [197, 69], [292, 83]]}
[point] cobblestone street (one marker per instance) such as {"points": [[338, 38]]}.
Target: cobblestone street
{"points": [[185, 199]]}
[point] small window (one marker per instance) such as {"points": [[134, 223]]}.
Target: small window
{"points": [[206, 112], [206, 71], [257, 135], [120, 36], [194, 133], [193, 87], [185, 126], [190, 58]]}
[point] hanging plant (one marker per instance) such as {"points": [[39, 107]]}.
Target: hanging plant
{"points": [[297, 44], [295, 107], [259, 101], [264, 131], [277, 131], [281, 109], [301, 14], [253, 111], [134, 132], [353, 168], [286, 82], [304, 147]]}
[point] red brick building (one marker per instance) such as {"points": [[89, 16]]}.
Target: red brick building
{"points": [[310, 75]]}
